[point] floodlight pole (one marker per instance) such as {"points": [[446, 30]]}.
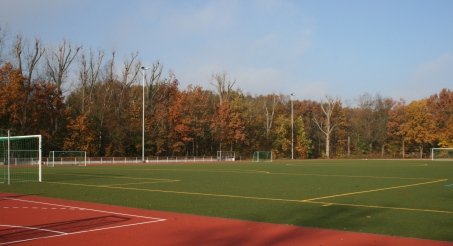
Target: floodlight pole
{"points": [[143, 69], [292, 127]]}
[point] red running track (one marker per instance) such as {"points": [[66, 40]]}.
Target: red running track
{"points": [[34, 220]]}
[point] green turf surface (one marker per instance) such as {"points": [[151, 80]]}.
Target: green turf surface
{"points": [[404, 198]]}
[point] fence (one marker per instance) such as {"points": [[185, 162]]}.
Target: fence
{"points": [[137, 160]]}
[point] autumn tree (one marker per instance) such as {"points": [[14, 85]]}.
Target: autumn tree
{"points": [[418, 125], [12, 101], [440, 107], [195, 109], [227, 125]]}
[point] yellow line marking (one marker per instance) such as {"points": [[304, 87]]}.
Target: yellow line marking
{"points": [[181, 192], [107, 176], [374, 190], [325, 204], [148, 182], [350, 176], [208, 171], [271, 173]]}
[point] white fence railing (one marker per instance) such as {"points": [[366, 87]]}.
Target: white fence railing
{"points": [[148, 160]]}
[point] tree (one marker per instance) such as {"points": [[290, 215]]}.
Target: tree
{"points": [[370, 121], [47, 108], [3, 36], [58, 62], [440, 106], [223, 86], [269, 107], [324, 122], [395, 133], [227, 125], [418, 125], [13, 99], [30, 58], [302, 144]]}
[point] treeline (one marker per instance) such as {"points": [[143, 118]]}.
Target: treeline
{"points": [[84, 99]]}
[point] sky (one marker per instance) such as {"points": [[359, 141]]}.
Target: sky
{"points": [[401, 49]]}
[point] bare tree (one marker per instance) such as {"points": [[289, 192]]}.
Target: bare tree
{"points": [[89, 75], [58, 62], [18, 49], [270, 111], [223, 86], [3, 35], [325, 123], [131, 69], [152, 83]]}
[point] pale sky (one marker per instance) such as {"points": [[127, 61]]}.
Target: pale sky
{"points": [[341, 48]]}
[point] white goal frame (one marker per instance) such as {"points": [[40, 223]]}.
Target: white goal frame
{"points": [[441, 159], [80, 160], [226, 155], [12, 160], [258, 156]]}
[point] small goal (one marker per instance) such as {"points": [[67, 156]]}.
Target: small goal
{"points": [[226, 156], [265, 156], [65, 158], [442, 154]]}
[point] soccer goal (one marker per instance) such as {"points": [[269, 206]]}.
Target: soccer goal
{"points": [[20, 158], [71, 158], [265, 156], [226, 156], [442, 154]]}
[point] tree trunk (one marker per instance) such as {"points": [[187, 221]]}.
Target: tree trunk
{"points": [[421, 151], [328, 146], [382, 151], [403, 149]]}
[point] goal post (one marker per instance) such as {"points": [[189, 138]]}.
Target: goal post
{"points": [[72, 157], [442, 154], [21, 158], [265, 156], [226, 155]]}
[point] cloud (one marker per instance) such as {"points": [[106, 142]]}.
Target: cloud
{"points": [[196, 19], [431, 76]]}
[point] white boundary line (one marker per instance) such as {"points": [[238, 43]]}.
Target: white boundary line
{"points": [[152, 220]]}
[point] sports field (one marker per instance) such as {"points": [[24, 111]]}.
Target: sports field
{"points": [[403, 198]]}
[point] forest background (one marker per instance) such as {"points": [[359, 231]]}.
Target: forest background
{"points": [[87, 99]]}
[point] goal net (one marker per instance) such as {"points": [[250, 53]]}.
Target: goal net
{"points": [[226, 156], [20, 158], [262, 156], [442, 154], [62, 158]]}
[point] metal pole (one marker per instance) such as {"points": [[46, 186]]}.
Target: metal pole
{"points": [[143, 112], [292, 127], [8, 159]]}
